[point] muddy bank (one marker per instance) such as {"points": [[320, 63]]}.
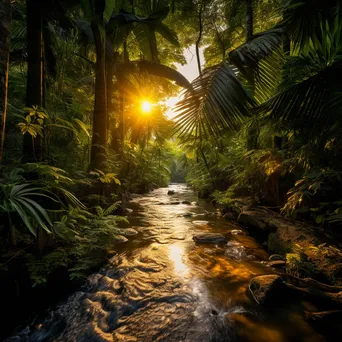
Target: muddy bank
{"points": [[308, 250]]}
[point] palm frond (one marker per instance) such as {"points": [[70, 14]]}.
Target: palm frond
{"points": [[309, 105], [217, 100], [167, 33], [262, 45], [146, 38], [155, 69], [21, 199], [303, 18]]}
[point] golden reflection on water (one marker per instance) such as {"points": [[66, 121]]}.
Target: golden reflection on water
{"points": [[176, 253]]}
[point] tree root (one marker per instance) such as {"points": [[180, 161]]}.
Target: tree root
{"points": [[309, 282], [323, 314], [334, 298]]}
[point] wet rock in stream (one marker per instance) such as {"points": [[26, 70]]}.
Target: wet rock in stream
{"points": [[275, 257], [119, 239], [267, 289], [200, 223], [277, 263], [187, 215], [210, 238], [128, 232], [236, 251], [237, 232]]}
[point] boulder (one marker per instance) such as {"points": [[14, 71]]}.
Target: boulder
{"points": [[175, 202], [275, 257], [235, 250], [171, 192], [267, 290], [255, 220], [229, 216], [186, 202], [210, 238]]}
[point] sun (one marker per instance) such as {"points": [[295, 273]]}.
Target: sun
{"points": [[146, 106]]}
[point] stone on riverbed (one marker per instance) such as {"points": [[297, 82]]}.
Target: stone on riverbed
{"points": [[229, 216], [119, 239], [237, 232], [186, 202], [171, 192], [128, 232], [200, 223], [267, 289], [210, 238], [187, 215], [277, 263]]}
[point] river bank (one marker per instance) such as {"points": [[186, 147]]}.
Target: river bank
{"points": [[309, 251]]}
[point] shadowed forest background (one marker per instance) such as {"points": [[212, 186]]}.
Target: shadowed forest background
{"points": [[84, 89]]}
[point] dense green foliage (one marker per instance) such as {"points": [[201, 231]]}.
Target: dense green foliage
{"points": [[77, 141], [262, 120], [270, 109]]}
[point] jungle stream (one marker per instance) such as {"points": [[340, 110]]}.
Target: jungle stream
{"points": [[162, 286]]}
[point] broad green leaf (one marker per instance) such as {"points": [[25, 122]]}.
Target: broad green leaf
{"points": [[87, 9], [23, 216], [110, 4]]}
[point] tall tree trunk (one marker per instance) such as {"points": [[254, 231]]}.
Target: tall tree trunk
{"points": [[122, 99], [112, 119], [199, 38], [5, 37], [99, 140], [33, 149], [252, 132], [249, 20]]}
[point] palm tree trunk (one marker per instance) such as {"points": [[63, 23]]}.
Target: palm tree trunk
{"points": [[5, 37], [32, 148], [199, 38], [252, 132], [109, 89], [249, 20], [122, 99], [99, 139]]}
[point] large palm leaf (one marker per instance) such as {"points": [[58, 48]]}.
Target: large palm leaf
{"points": [[303, 18], [311, 104], [217, 100], [22, 199], [155, 69], [309, 95], [260, 62], [248, 55], [220, 98]]}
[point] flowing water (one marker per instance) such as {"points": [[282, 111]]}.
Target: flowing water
{"points": [[161, 286]]}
